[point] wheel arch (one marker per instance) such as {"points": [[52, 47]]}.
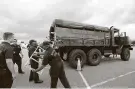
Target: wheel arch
{"points": [[128, 46]]}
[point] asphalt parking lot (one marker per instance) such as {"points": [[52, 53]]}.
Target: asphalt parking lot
{"points": [[111, 73]]}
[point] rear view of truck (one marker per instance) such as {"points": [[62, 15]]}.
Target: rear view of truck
{"points": [[88, 43]]}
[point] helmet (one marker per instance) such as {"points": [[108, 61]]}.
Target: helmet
{"points": [[31, 41], [47, 43]]}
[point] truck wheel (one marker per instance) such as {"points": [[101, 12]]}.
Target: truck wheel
{"points": [[94, 57], [125, 54], [74, 55], [107, 55]]}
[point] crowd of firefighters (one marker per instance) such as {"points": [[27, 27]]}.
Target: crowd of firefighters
{"points": [[10, 53]]}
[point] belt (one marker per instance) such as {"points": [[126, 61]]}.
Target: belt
{"points": [[3, 68]]}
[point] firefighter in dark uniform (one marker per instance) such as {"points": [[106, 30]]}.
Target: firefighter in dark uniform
{"points": [[33, 75], [57, 71], [16, 56], [7, 72]]}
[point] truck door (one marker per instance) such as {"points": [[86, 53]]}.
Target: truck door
{"points": [[107, 39]]}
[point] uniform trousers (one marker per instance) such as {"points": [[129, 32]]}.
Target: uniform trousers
{"points": [[60, 74], [6, 79]]}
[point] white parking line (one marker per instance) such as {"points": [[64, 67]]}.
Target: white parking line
{"points": [[84, 80], [112, 79]]}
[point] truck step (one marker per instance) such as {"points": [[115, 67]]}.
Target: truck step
{"points": [[108, 54]]}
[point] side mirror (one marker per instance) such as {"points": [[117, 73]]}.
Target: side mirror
{"points": [[123, 34]]}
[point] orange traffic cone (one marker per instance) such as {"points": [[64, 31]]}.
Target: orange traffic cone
{"points": [[79, 65]]}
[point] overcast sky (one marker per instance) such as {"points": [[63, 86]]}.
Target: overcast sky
{"points": [[31, 19]]}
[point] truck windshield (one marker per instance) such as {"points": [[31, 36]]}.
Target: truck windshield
{"points": [[116, 34], [51, 34], [122, 34]]}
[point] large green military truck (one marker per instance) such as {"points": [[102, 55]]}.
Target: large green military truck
{"points": [[88, 43]]}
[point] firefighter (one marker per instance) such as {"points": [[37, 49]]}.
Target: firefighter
{"points": [[16, 56], [33, 75], [57, 71], [7, 72]]}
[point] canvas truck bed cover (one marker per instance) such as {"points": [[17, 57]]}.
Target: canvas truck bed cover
{"points": [[75, 25]]}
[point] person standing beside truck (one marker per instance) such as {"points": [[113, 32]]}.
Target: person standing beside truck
{"points": [[7, 72]]}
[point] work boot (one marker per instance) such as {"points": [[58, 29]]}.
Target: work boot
{"points": [[39, 81], [30, 80], [21, 72]]}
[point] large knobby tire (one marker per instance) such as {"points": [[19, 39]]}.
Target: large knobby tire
{"points": [[125, 54], [74, 54], [94, 57], [107, 55]]}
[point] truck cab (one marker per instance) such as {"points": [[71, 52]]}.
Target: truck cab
{"points": [[119, 38]]}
